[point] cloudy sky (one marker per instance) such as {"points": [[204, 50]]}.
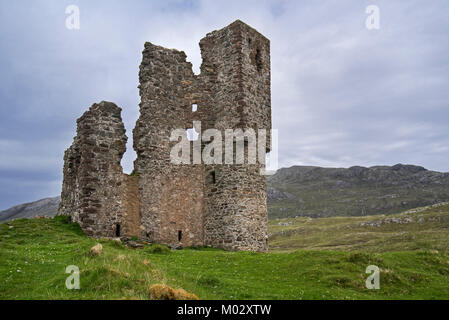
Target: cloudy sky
{"points": [[342, 94]]}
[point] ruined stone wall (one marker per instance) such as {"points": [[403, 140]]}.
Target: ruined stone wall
{"points": [[69, 204], [93, 185], [131, 220], [171, 195]]}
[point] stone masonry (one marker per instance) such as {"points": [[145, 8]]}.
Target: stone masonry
{"points": [[219, 205]]}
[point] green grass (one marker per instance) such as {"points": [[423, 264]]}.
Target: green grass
{"points": [[35, 253], [427, 229]]}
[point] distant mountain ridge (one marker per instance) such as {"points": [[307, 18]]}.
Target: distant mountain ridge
{"points": [[356, 191], [322, 192], [43, 207]]}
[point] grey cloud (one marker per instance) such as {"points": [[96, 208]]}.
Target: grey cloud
{"points": [[341, 95]]}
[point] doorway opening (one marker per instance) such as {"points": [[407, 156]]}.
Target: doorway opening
{"points": [[117, 230]]}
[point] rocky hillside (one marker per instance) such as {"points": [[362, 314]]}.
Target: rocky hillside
{"points": [[43, 207], [357, 191]]}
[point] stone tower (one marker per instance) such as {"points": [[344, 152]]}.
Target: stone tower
{"points": [[219, 205]]}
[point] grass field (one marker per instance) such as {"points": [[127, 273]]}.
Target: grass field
{"points": [[418, 229], [330, 263]]}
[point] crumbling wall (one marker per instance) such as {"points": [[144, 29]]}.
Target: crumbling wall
{"points": [[69, 204], [93, 186], [131, 219], [171, 195]]}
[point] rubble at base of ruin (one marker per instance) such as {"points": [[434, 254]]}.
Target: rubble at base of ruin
{"points": [[218, 205]]}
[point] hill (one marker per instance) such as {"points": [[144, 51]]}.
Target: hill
{"points": [[43, 207], [357, 191], [415, 229], [412, 258]]}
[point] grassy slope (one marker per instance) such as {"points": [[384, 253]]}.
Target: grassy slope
{"points": [[35, 253], [426, 229]]}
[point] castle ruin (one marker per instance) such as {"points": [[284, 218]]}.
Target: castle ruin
{"points": [[218, 205]]}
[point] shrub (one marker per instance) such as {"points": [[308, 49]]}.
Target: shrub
{"points": [[164, 292], [209, 281], [116, 244], [157, 248], [63, 219], [359, 257]]}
